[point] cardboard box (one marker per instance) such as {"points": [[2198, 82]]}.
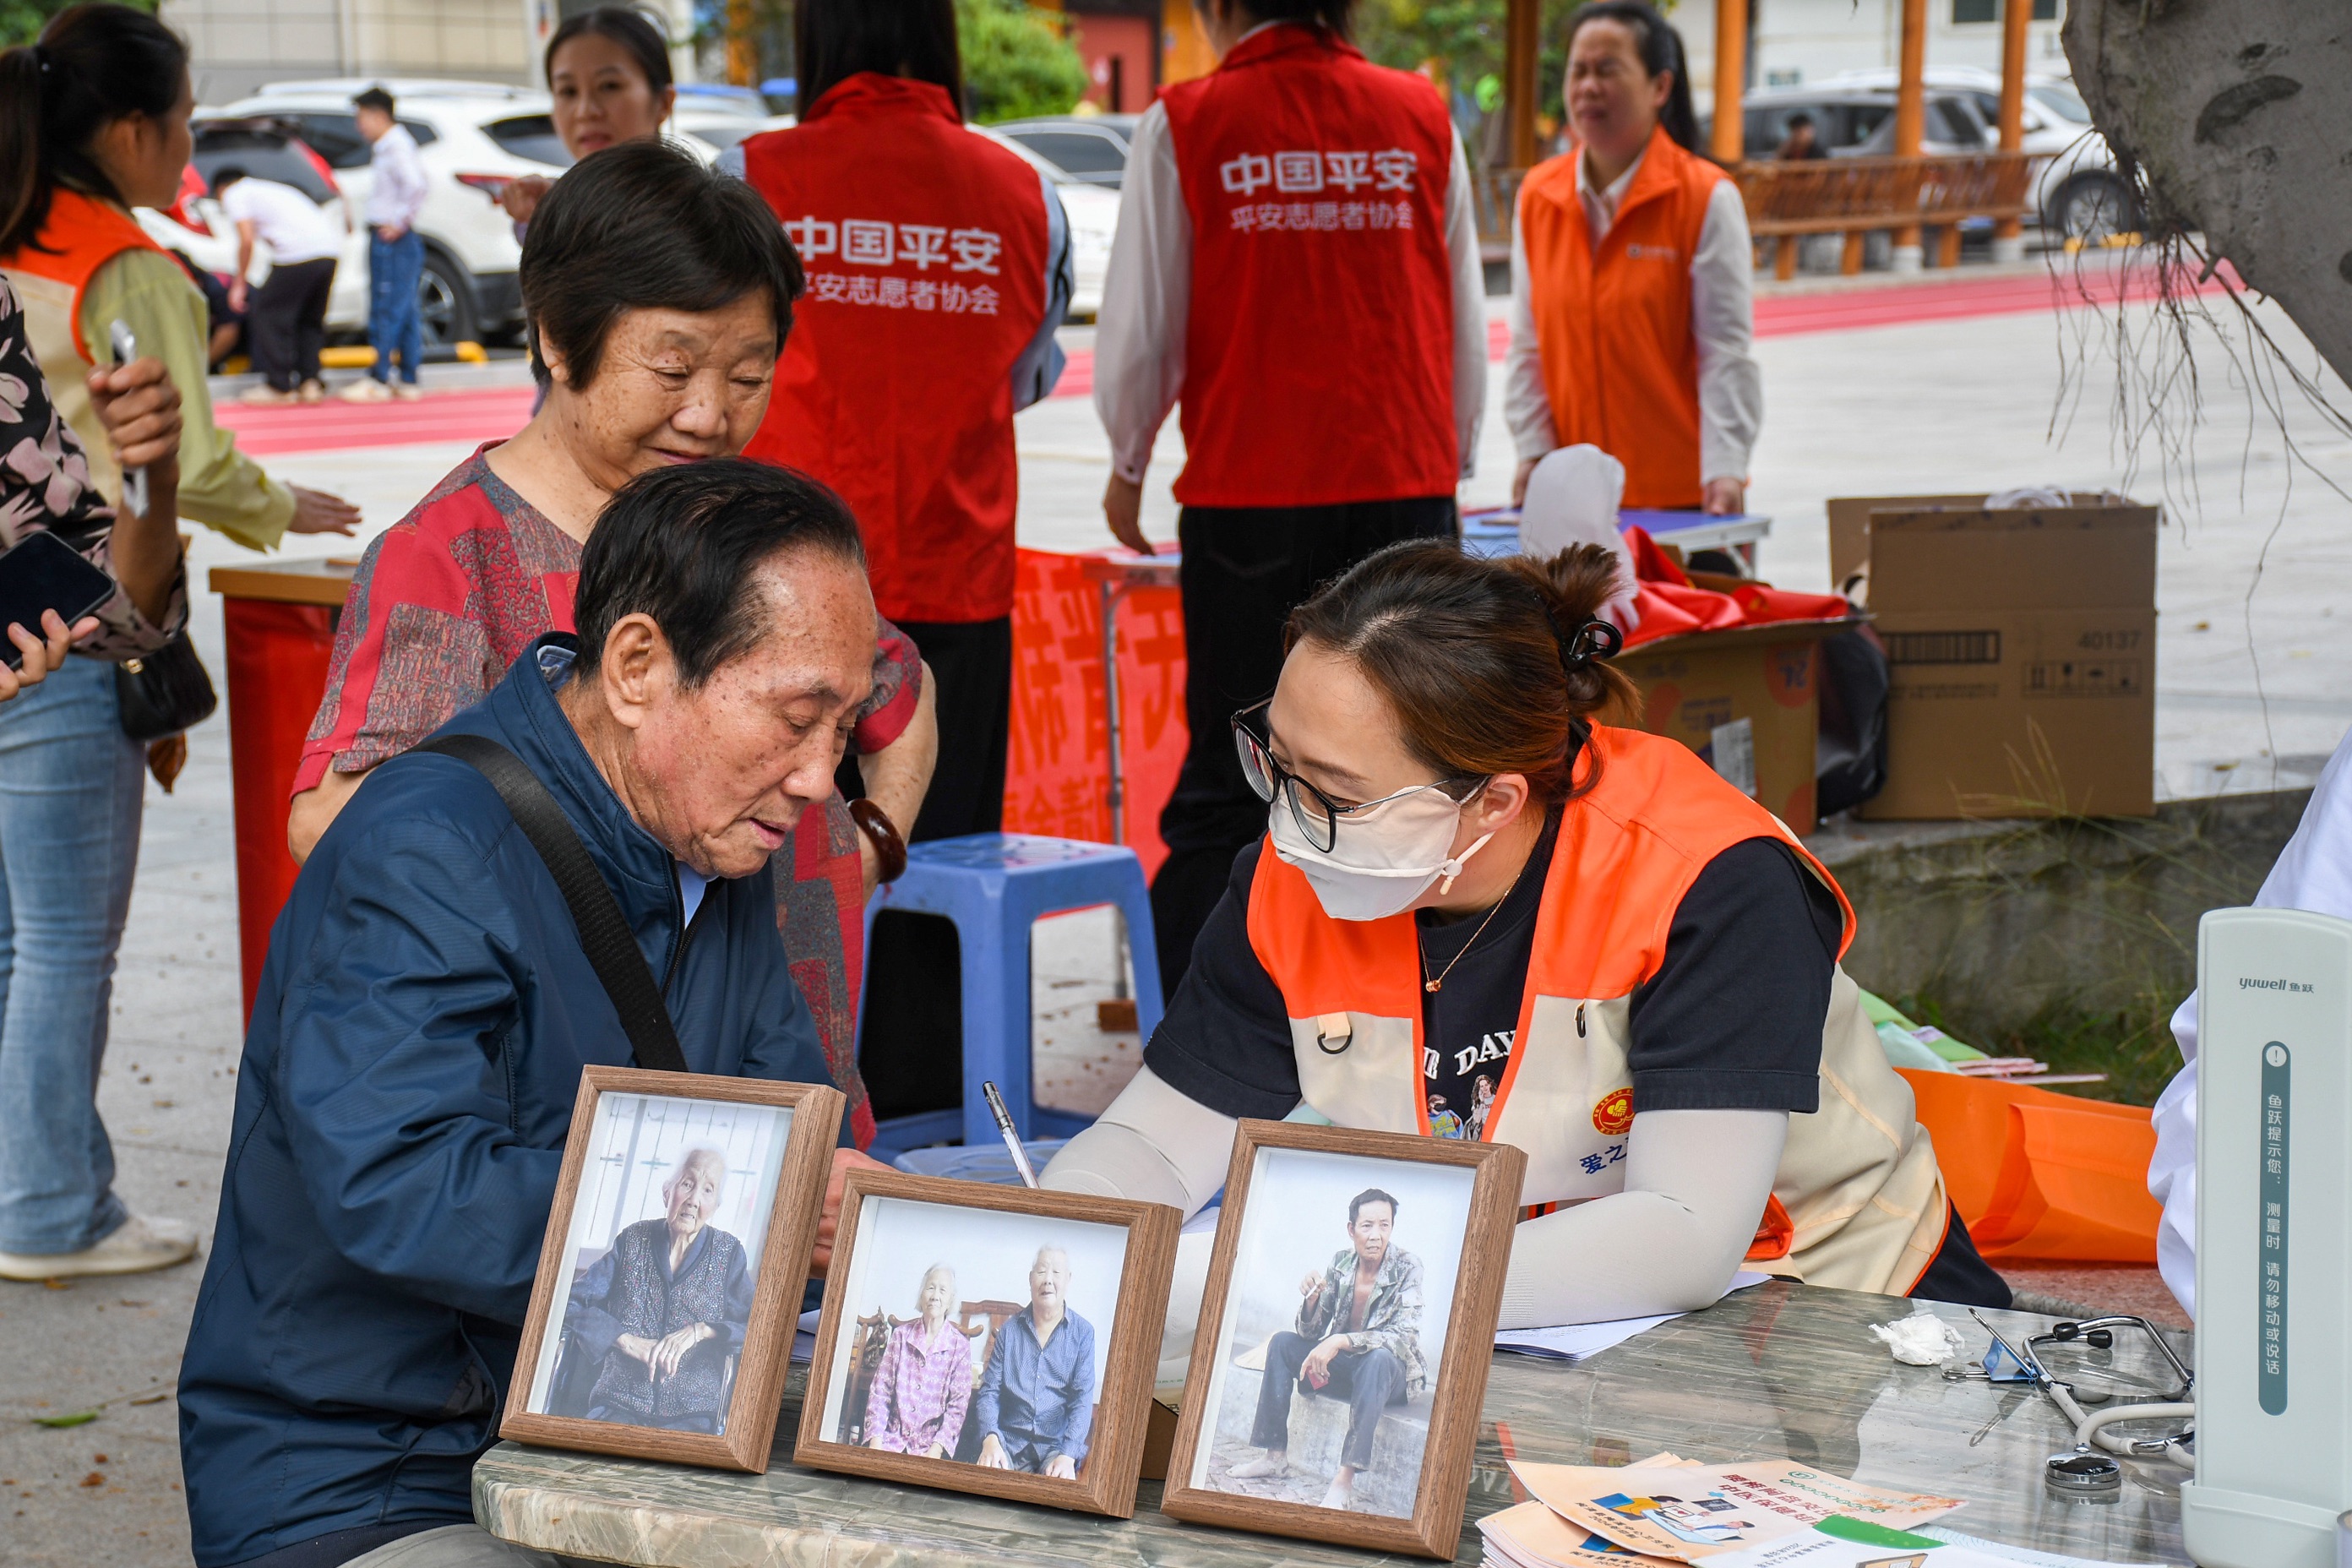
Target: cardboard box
{"points": [[2022, 649], [1747, 701]]}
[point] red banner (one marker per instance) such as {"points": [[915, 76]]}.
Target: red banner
{"points": [[1057, 762]]}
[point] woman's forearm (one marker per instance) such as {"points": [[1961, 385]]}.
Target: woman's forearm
{"points": [[1155, 1144], [1696, 1186], [144, 547], [900, 775]]}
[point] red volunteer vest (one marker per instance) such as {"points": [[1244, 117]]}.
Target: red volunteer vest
{"points": [[1319, 355], [924, 249], [1614, 328], [81, 234]]}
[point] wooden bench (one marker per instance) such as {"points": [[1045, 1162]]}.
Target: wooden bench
{"points": [[1853, 196]]}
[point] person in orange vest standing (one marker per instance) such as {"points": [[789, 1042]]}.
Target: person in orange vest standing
{"points": [[1296, 264], [939, 267], [1631, 308]]}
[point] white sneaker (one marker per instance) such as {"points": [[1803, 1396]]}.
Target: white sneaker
{"points": [[407, 391], [1271, 1464], [366, 389], [135, 1247]]}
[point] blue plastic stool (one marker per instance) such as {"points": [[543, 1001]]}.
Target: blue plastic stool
{"points": [[995, 886]]}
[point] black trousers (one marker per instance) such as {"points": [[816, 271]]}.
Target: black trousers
{"points": [[285, 321], [1244, 570], [911, 1053], [1958, 1273], [1370, 1381]]}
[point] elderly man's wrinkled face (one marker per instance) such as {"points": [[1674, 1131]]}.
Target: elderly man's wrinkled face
{"points": [[718, 774], [692, 1195], [1049, 1279], [1369, 1231], [671, 387]]}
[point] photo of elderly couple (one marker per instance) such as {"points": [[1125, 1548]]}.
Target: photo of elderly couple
{"points": [[1324, 1380], [975, 1336], [666, 1234]]}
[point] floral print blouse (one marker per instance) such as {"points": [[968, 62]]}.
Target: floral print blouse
{"points": [[44, 487]]}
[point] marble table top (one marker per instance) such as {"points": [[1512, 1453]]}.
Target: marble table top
{"points": [[1780, 1370]]}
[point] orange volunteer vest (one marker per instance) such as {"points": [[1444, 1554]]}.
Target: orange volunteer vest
{"points": [[1319, 353], [1614, 327], [925, 249], [1859, 1201], [50, 276]]}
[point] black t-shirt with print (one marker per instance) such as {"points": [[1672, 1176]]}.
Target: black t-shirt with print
{"points": [[1732, 1020]]}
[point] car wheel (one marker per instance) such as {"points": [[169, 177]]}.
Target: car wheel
{"points": [[2093, 207], [444, 302]]}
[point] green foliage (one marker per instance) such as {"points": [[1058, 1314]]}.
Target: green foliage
{"points": [[1465, 36], [2134, 1049], [21, 21], [1016, 61]]}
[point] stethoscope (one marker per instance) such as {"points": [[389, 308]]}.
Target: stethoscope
{"points": [[2090, 1469]]}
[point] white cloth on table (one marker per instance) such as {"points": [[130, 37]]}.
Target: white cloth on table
{"points": [[1573, 499]]}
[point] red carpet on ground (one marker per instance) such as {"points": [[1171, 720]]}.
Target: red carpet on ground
{"points": [[490, 413]]}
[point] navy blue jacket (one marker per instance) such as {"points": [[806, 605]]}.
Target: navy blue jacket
{"points": [[406, 1088]]}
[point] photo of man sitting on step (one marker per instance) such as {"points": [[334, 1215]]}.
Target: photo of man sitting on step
{"points": [[1358, 1340]]}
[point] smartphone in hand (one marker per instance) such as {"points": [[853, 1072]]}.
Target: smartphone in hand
{"points": [[42, 573]]}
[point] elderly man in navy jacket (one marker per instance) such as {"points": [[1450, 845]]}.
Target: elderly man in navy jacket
{"points": [[427, 1009]]}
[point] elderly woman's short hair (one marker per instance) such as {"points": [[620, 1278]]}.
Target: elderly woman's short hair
{"points": [[646, 226], [701, 1154]]}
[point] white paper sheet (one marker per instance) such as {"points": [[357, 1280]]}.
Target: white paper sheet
{"points": [[1574, 1342]]}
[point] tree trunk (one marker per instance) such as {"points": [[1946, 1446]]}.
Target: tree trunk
{"points": [[2234, 112]]}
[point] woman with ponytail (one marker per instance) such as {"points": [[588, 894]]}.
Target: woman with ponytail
{"points": [[1631, 308], [1469, 872], [94, 121]]}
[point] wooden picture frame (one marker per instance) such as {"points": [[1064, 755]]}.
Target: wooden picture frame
{"points": [[1441, 1485], [750, 1381], [841, 1374]]}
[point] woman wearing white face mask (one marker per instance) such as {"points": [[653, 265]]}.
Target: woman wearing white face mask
{"points": [[1470, 877]]}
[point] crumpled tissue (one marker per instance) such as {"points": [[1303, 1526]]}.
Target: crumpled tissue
{"points": [[1921, 1340]]}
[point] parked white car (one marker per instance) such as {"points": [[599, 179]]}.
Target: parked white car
{"points": [[1093, 211], [474, 137], [2077, 191]]}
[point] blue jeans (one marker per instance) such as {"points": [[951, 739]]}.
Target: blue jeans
{"points": [[71, 788], [394, 267]]}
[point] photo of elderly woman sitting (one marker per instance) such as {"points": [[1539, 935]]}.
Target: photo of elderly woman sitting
{"points": [[923, 1387], [660, 1316]]}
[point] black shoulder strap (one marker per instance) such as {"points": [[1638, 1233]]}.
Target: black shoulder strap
{"points": [[604, 936]]}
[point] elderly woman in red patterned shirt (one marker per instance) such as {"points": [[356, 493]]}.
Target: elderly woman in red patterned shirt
{"points": [[659, 295], [924, 1383]]}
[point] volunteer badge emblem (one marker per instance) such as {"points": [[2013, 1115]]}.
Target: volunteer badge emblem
{"points": [[1613, 1112]]}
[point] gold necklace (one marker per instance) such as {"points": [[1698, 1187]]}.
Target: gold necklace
{"points": [[1432, 985]]}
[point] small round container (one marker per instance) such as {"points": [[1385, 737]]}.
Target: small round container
{"points": [[2084, 1476]]}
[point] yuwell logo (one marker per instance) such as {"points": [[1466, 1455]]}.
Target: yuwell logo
{"points": [[2247, 983]]}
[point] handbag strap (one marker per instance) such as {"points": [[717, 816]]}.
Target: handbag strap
{"points": [[604, 936]]}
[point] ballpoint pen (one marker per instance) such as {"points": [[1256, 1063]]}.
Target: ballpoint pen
{"points": [[1012, 1139]]}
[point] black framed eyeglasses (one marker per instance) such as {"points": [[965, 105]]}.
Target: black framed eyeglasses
{"points": [[1316, 814]]}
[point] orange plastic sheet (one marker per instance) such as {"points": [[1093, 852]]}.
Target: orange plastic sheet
{"points": [[2042, 1177], [1058, 761]]}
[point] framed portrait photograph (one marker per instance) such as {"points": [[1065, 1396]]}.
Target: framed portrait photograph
{"points": [[661, 1323], [992, 1340], [1341, 1355]]}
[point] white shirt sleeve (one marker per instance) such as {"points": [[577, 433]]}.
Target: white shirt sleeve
{"points": [[1723, 319], [1146, 299], [1469, 268], [1526, 406]]}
